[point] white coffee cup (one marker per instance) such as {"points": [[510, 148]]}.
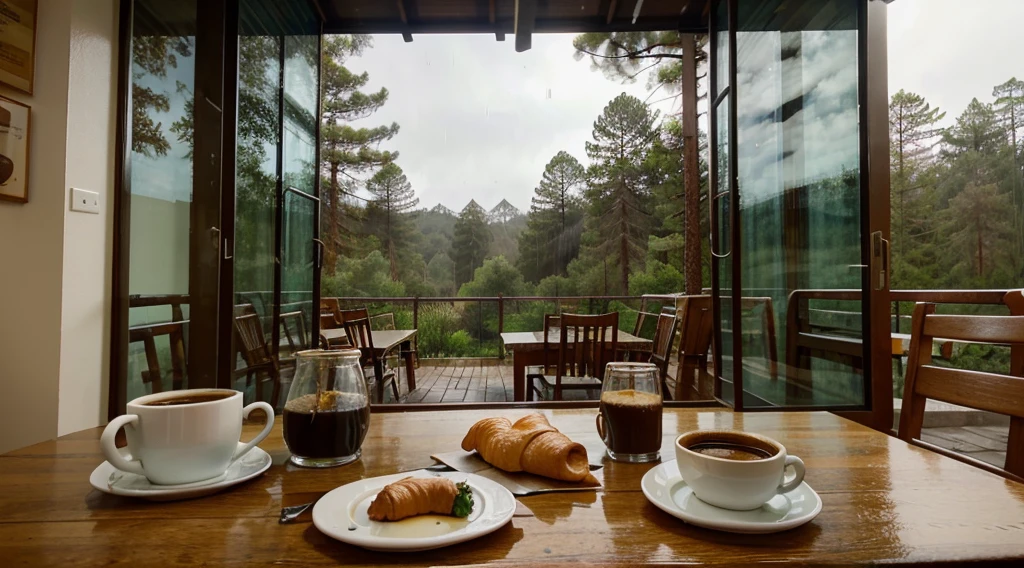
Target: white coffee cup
{"points": [[182, 443], [736, 484]]}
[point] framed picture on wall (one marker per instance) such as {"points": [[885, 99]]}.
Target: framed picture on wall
{"points": [[18, 43], [14, 122]]}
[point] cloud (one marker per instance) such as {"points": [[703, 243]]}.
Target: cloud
{"points": [[949, 51], [480, 121]]}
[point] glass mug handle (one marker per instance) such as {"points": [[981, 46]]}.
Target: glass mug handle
{"points": [[798, 477], [110, 450], [600, 424]]}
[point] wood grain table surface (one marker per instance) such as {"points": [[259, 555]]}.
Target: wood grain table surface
{"points": [[884, 502]]}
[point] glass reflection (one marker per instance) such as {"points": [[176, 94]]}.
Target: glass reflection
{"points": [[163, 78], [798, 158]]}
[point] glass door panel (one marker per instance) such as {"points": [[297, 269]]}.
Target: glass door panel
{"points": [[722, 198], [299, 263], [163, 78], [792, 295]]}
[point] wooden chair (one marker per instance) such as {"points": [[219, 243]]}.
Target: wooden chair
{"points": [[552, 322], [256, 352], [359, 333], [586, 344], [696, 328], [997, 393], [661, 352]]}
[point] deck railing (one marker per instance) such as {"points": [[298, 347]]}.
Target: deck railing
{"points": [[470, 326]]}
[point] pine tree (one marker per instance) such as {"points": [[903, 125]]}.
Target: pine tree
{"points": [[618, 191], [552, 235], [673, 60], [1009, 106], [346, 151], [913, 135], [393, 197], [470, 243], [979, 225]]}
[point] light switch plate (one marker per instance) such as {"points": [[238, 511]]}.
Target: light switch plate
{"points": [[85, 201]]}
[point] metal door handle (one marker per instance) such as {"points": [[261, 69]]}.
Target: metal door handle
{"points": [[879, 261], [221, 245], [319, 253]]}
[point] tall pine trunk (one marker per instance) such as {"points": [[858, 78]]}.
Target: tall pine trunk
{"points": [[692, 272], [624, 244]]}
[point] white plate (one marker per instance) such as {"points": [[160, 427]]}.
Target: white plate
{"points": [[108, 479], [665, 488], [341, 514]]}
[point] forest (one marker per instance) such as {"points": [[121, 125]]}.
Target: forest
{"points": [[607, 223]]}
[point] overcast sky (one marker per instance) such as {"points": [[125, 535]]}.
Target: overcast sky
{"points": [[479, 120], [950, 51]]}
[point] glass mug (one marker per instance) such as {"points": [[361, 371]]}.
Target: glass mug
{"points": [[629, 417], [327, 412]]}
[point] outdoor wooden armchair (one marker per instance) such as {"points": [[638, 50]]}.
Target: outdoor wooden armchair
{"points": [[991, 392]]}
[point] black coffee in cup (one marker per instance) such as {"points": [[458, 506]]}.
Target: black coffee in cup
{"points": [[730, 451], [191, 398]]}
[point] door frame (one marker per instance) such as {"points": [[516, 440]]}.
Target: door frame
{"points": [[877, 411]]}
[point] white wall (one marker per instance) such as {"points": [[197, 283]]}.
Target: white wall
{"points": [[31, 244], [53, 373], [86, 300]]}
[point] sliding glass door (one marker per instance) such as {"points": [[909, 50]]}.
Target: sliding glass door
{"points": [[219, 120], [793, 279]]}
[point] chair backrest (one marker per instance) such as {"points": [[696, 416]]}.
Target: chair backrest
{"points": [[552, 326], [587, 343], [254, 350], [696, 326], [663, 336], [997, 393], [361, 337], [357, 313], [329, 313], [385, 321], [641, 322]]}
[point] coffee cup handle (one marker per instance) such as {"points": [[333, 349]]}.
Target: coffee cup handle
{"points": [[600, 424], [798, 478], [110, 450], [259, 437]]}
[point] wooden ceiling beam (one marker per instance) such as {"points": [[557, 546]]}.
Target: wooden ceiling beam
{"points": [[525, 20], [404, 17], [611, 11], [492, 18]]}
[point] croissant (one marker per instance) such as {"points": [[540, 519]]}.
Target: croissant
{"points": [[413, 496], [532, 445]]}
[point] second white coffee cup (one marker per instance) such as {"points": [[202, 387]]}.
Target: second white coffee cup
{"points": [[731, 483]]}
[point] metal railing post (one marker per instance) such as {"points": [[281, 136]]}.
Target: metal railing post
{"points": [[416, 312], [501, 324]]}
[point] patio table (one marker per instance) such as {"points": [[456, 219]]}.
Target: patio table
{"points": [[384, 342], [528, 350], [884, 502]]}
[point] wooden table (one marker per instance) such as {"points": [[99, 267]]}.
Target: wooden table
{"points": [[528, 350], [884, 502]]}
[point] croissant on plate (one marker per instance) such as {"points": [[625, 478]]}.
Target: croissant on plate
{"points": [[413, 496], [532, 445]]}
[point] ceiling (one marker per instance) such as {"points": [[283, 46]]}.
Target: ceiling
{"points": [[519, 17]]}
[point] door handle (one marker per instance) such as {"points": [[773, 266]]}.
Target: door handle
{"points": [[879, 261], [222, 246], [319, 253]]}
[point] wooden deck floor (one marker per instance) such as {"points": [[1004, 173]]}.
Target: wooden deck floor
{"points": [[461, 381]]}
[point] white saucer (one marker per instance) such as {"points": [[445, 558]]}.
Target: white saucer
{"points": [[108, 479], [665, 488], [341, 514]]}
